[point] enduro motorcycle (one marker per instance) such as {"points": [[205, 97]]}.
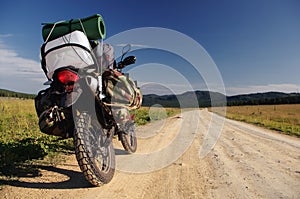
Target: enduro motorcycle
{"points": [[78, 105]]}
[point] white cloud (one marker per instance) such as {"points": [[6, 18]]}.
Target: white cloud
{"points": [[286, 88], [132, 45], [16, 72], [5, 35], [12, 62]]}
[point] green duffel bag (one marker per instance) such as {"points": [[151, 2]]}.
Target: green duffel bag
{"points": [[93, 26]]}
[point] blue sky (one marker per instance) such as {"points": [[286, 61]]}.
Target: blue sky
{"points": [[255, 44]]}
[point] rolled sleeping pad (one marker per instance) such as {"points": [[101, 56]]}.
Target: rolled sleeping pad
{"points": [[94, 28]]}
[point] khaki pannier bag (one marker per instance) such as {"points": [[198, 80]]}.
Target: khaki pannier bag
{"points": [[121, 90]]}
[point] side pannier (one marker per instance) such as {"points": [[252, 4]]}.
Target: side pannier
{"points": [[121, 90], [53, 120], [72, 49]]}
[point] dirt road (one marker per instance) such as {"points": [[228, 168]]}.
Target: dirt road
{"points": [[246, 162]]}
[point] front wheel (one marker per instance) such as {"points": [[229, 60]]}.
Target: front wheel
{"points": [[128, 137], [94, 150]]}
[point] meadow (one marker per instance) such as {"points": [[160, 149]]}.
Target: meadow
{"points": [[21, 141], [145, 115], [282, 118]]}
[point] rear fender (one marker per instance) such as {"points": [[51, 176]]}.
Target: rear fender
{"points": [[87, 100], [86, 86], [71, 98]]}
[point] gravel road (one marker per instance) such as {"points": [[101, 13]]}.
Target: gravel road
{"points": [[246, 162]]}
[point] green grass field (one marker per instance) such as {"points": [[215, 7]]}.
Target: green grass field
{"points": [[21, 141], [283, 118], [146, 114]]}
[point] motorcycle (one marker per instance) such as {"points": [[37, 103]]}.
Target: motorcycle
{"points": [[77, 104]]}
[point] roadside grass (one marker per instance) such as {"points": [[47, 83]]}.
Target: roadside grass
{"points": [[23, 146], [282, 118], [21, 142], [145, 115]]}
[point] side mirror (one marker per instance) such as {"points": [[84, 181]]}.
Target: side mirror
{"points": [[127, 61]]}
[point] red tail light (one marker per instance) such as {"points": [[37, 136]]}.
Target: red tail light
{"points": [[68, 78]]}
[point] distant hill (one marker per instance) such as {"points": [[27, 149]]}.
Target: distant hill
{"points": [[8, 93], [187, 99]]}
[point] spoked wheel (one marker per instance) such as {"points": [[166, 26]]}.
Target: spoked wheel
{"points": [[94, 150], [128, 137]]}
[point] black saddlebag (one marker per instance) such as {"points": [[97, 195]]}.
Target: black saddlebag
{"points": [[53, 120]]}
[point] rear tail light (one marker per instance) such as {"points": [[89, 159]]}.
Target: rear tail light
{"points": [[68, 78]]}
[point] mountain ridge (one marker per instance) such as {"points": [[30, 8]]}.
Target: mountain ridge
{"points": [[204, 99]]}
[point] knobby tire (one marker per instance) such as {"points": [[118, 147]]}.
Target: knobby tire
{"points": [[92, 147]]}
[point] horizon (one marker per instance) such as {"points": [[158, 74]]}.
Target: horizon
{"points": [[180, 93]]}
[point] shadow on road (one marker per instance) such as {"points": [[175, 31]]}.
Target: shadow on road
{"points": [[121, 152], [76, 180]]}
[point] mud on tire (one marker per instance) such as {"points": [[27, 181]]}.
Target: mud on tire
{"points": [[94, 151]]}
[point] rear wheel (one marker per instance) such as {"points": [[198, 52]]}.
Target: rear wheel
{"points": [[128, 137], [94, 150]]}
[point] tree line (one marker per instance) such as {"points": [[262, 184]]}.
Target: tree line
{"points": [[7, 93], [295, 99]]}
